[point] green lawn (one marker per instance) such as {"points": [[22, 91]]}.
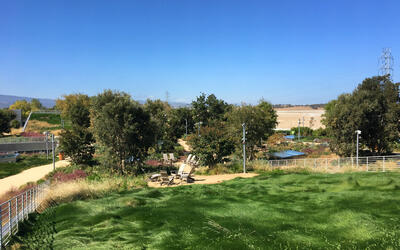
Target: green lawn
{"points": [[24, 162], [271, 211]]}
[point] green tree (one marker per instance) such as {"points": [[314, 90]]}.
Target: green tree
{"points": [[6, 116], [23, 105], [212, 146], [207, 109], [373, 108], [160, 113], [77, 142], [177, 122], [122, 127], [69, 102], [260, 121], [36, 105]]}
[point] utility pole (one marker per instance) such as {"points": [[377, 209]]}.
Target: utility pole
{"points": [[358, 132], [47, 144], [186, 128], [198, 128], [386, 63], [298, 137], [54, 153], [244, 147]]}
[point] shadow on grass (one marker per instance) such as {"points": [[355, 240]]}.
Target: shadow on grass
{"points": [[292, 211]]}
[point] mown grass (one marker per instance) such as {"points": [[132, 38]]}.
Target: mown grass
{"points": [[271, 211], [24, 162]]}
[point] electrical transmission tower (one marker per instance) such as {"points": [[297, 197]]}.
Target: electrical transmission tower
{"points": [[386, 63]]}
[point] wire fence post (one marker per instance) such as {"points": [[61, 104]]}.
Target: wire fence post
{"points": [[16, 211], [23, 208], [30, 201], [367, 164], [1, 228], [383, 164], [9, 218], [53, 152]]}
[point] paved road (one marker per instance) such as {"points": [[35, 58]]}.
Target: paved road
{"points": [[29, 175]]}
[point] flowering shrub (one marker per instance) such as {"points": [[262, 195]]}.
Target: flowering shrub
{"points": [[31, 134], [65, 177], [153, 163]]}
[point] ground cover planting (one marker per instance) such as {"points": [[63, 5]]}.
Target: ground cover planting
{"points": [[275, 210]]}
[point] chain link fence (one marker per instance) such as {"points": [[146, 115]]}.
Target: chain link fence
{"points": [[370, 163]]}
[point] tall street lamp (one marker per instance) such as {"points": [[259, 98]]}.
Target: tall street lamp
{"points": [[358, 132], [244, 147], [198, 127], [186, 128]]}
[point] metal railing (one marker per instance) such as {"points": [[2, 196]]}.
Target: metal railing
{"points": [[9, 140], [369, 163], [17, 209]]}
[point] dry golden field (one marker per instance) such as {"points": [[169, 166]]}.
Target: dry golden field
{"points": [[289, 117]]}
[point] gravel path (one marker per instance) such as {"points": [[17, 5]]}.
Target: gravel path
{"points": [[207, 179], [29, 175], [184, 144]]}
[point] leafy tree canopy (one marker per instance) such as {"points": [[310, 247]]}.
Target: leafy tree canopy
{"points": [[26, 107], [213, 144], [208, 108], [77, 142], [6, 116], [122, 127], [373, 108], [75, 107], [260, 121]]}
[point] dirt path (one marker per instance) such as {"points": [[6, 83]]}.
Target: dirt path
{"points": [[185, 146], [207, 179], [29, 175]]}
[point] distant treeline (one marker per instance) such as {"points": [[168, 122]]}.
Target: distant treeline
{"points": [[313, 106]]}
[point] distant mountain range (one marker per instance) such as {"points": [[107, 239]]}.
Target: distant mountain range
{"points": [[7, 100]]}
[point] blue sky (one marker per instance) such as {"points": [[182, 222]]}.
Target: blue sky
{"points": [[297, 52]]}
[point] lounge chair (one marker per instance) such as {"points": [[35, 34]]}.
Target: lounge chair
{"points": [[155, 177], [188, 159], [166, 179], [196, 163], [165, 159], [187, 174], [180, 171], [172, 157]]}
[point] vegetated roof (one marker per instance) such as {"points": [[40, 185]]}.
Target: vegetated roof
{"points": [[287, 154]]}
